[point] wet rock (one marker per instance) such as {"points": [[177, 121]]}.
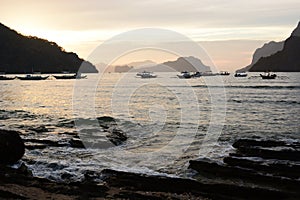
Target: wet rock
{"points": [[267, 149], [106, 122], [76, 143], [213, 170], [24, 186], [39, 129], [150, 183], [287, 154], [262, 143], [117, 137], [35, 146], [12, 147], [274, 167]]}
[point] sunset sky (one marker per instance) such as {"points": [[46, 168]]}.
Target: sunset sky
{"points": [[229, 31]]}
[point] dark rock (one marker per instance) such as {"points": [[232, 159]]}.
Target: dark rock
{"points": [[76, 143], [274, 167], [35, 146], [212, 170], [285, 154], [141, 182], [268, 149], [106, 122], [12, 147], [117, 137], [262, 143], [39, 129], [28, 187]]}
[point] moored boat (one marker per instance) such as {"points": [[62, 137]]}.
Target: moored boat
{"points": [[4, 77], [184, 74], [148, 75], [268, 75], [224, 73], [70, 76], [32, 77], [240, 74]]}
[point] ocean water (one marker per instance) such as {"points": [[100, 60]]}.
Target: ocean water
{"points": [[168, 121]]}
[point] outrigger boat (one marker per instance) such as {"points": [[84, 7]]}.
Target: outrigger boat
{"points": [[70, 76], [4, 77], [240, 74], [184, 75], [32, 77], [268, 75], [146, 74]]}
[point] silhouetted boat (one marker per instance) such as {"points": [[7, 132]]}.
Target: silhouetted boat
{"points": [[3, 77], [32, 77], [268, 75], [240, 74], [148, 75], [208, 74], [69, 76], [196, 75], [184, 75], [224, 73]]}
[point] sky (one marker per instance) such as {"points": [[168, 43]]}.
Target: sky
{"points": [[229, 31]]}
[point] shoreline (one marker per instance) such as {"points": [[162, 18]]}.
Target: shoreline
{"points": [[259, 169]]}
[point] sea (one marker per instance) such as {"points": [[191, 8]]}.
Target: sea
{"points": [[168, 121]]}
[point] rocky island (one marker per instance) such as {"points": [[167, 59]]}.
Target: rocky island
{"points": [[278, 56], [27, 54]]}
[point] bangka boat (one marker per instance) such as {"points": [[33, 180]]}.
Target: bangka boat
{"points": [[196, 75], [224, 73], [32, 77], [208, 74], [268, 75], [184, 75], [69, 76], [3, 77], [148, 75], [240, 74]]}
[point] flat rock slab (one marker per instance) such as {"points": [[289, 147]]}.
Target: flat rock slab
{"points": [[142, 182]]}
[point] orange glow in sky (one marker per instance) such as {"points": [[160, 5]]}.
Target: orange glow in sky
{"points": [[230, 31]]}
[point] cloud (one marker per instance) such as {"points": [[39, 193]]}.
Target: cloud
{"points": [[127, 14]]}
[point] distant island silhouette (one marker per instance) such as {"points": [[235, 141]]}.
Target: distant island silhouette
{"points": [[190, 63], [27, 54], [278, 56]]}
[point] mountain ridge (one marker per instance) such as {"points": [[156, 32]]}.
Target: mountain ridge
{"points": [[27, 54], [266, 50], [190, 63], [285, 60]]}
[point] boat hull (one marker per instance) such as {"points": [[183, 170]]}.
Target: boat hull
{"points": [[33, 78]]}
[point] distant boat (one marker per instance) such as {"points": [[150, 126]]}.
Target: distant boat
{"points": [[208, 74], [224, 73], [146, 74], [4, 77], [184, 74], [268, 75], [69, 76], [240, 74], [140, 73], [196, 75], [32, 77]]}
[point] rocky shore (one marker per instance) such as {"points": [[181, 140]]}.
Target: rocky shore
{"points": [[258, 169]]}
